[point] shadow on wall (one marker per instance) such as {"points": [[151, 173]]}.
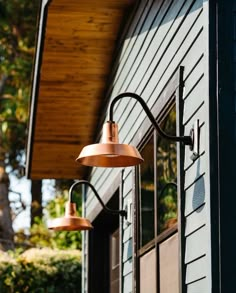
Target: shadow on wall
{"points": [[129, 250], [199, 190]]}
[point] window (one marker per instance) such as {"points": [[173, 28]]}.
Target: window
{"points": [[157, 238], [146, 195]]}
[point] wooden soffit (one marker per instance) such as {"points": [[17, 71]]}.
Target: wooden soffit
{"points": [[75, 48]]}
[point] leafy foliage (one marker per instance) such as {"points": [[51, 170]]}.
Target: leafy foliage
{"points": [[41, 270], [164, 171], [17, 41], [167, 172], [17, 38]]}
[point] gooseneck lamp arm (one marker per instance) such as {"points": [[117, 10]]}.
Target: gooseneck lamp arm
{"points": [[121, 213], [187, 140], [173, 184]]}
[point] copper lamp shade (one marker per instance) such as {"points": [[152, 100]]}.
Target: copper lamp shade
{"points": [[70, 222], [110, 153]]}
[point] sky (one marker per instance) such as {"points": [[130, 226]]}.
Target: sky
{"points": [[23, 186]]}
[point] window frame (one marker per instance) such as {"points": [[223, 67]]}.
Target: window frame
{"points": [[172, 94], [158, 238]]}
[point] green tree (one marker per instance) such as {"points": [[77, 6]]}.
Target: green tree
{"points": [[17, 40], [40, 236], [17, 43]]}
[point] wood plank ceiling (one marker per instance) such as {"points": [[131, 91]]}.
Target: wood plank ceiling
{"points": [[79, 43]]}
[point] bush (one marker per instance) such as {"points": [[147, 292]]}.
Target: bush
{"points": [[41, 271]]}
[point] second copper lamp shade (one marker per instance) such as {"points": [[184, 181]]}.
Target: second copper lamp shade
{"points": [[70, 222], [110, 153]]}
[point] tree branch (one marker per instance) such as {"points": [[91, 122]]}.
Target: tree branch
{"points": [[2, 83]]}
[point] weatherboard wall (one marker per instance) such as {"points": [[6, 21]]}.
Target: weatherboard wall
{"points": [[162, 36]]}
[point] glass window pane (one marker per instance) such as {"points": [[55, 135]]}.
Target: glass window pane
{"points": [[166, 173], [147, 194]]}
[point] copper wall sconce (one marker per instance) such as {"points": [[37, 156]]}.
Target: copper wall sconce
{"points": [[71, 222], [110, 153]]}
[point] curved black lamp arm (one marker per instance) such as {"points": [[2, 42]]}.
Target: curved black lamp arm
{"points": [[167, 185], [122, 213], [187, 140]]}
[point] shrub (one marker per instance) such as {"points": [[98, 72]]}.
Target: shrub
{"points": [[41, 271]]}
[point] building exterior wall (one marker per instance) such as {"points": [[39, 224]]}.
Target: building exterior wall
{"points": [[162, 36]]}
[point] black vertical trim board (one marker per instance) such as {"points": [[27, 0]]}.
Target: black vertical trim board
{"points": [[135, 230], [180, 179], [157, 248], [121, 229], [137, 225], [222, 147], [213, 147], [226, 146]]}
